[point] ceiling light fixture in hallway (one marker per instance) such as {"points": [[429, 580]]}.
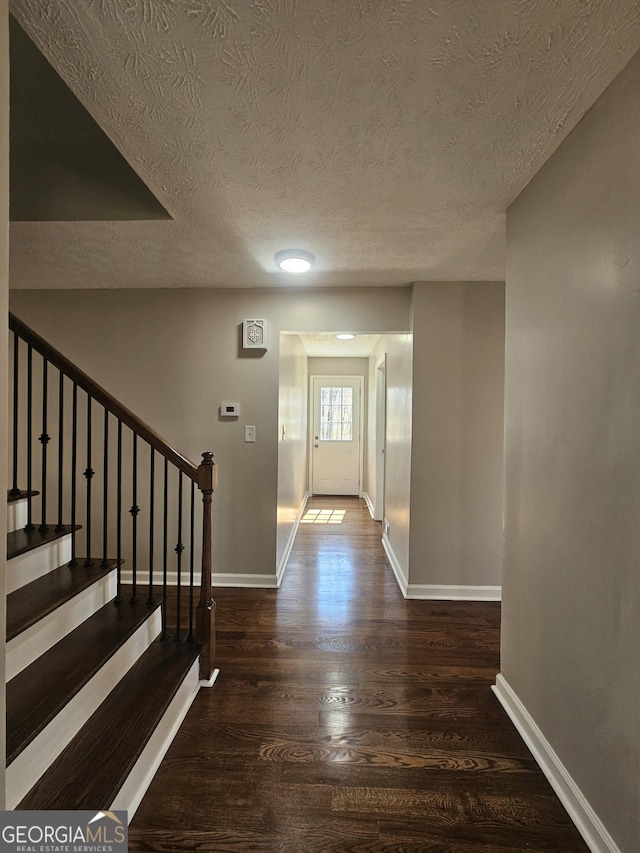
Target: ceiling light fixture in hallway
{"points": [[295, 260]]}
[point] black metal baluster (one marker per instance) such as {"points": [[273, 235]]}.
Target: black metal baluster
{"points": [[192, 539], [179, 549], [152, 501], [44, 440], [30, 525], [165, 546], [60, 525], [74, 472], [119, 519], [105, 490], [88, 473], [135, 510], [16, 402]]}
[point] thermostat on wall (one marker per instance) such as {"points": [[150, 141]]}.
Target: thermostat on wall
{"points": [[254, 334], [229, 410]]}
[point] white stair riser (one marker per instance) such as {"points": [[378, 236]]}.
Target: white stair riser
{"points": [[32, 762], [130, 795], [16, 515], [28, 567], [36, 640]]}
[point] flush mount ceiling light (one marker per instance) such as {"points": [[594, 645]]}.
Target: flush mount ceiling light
{"points": [[346, 337], [295, 260]]}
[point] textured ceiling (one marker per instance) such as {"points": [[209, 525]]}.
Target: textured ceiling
{"points": [[385, 137], [62, 165]]}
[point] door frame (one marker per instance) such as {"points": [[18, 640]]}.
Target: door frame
{"points": [[381, 436], [341, 377]]}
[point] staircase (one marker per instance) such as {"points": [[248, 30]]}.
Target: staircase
{"points": [[100, 672]]}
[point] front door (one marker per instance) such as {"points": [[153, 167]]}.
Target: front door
{"points": [[335, 439]]}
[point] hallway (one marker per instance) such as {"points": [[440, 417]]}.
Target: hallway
{"points": [[346, 718]]}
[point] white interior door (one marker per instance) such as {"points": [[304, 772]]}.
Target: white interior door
{"points": [[336, 452]]}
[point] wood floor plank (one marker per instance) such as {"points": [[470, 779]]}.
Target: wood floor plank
{"points": [[346, 719]]}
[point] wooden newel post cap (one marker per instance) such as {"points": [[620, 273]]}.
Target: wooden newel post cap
{"points": [[207, 473]]}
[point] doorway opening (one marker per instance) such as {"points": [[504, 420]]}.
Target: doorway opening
{"points": [[336, 457]]}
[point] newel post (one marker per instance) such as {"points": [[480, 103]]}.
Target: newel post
{"points": [[205, 612]]}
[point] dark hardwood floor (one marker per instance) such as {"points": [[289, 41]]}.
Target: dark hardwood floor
{"points": [[347, 719]]}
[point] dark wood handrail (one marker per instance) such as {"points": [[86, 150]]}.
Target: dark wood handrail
{"points": [[103, 397]]}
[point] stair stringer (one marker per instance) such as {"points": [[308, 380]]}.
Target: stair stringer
{"points": [[141, 775]]}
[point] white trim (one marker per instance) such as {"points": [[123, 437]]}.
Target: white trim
{"points": [[395, 565], [172, 578], [254, 581], [369, 504], [130, 795], [38, 562], [454, 592], [292, 535], [361, 427], [209, 682], [43, 750], [587, 822], [431, 591], [23, 649], [381, 436]]}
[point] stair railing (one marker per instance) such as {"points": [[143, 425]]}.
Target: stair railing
{"points": [[100, 433]]}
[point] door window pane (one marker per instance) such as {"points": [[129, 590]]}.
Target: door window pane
{"points": [[336, 414]]}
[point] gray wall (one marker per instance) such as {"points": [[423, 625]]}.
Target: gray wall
{"points": [[457, 445], [174, 355], [399, 350], [346, 366], [4, 290], [292, 441], [571, 611]]}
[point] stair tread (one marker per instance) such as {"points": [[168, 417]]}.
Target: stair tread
{"points": [[19, 495], [41, 690], [21, 541], [35, 600], [115, 735]]}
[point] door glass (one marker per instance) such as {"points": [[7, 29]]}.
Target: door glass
{"points": [[336, 414]]}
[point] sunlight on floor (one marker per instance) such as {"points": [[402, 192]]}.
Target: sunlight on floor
{"points": [[324, 516]]}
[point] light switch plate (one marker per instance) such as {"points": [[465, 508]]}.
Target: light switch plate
{"points": [[249, 433]]}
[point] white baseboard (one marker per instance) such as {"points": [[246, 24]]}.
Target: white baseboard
{"points": [[130, 795], [587, 822], [369, 504], [172, 579], [437, 592], [209, 682], [256, 581], [292, 535], [446, 592], [395, 565]]}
